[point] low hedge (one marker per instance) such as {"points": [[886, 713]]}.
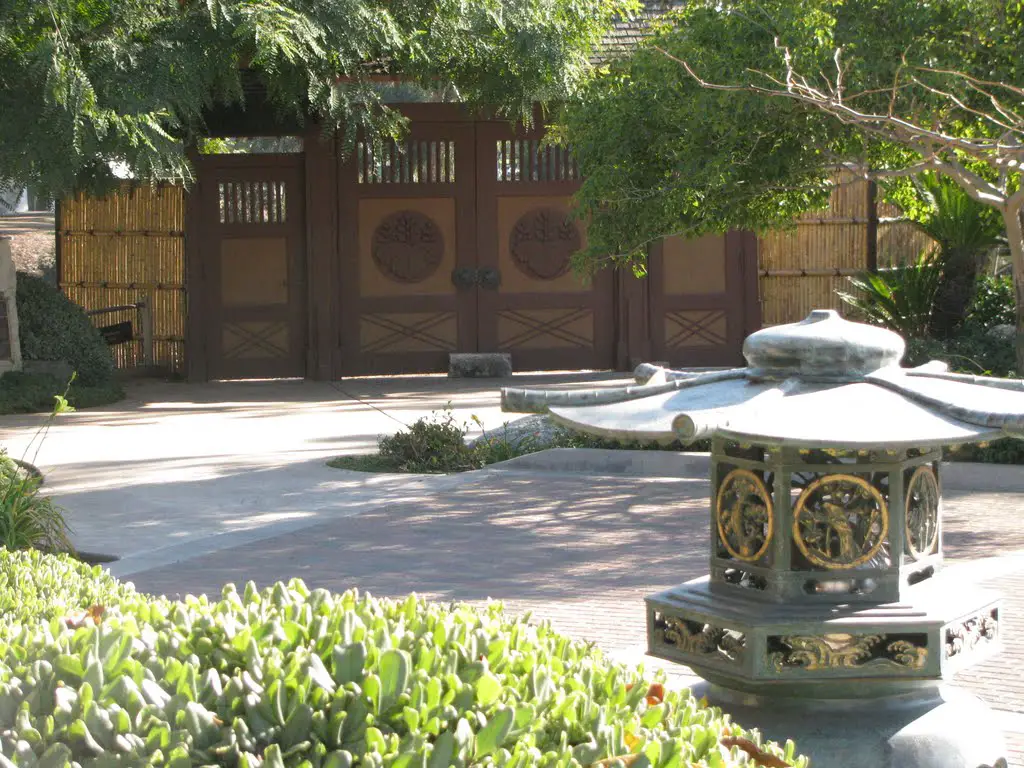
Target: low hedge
{"points": [[52, 327], [22, 392], [289, 676]]}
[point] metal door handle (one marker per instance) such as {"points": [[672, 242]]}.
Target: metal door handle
{"points": [[489, 277], [464, 277]]}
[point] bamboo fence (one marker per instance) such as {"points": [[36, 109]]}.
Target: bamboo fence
{"points": [[122, 249], [801, 268]]}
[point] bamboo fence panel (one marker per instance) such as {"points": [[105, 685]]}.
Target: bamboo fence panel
{"points": [[124, 248], [802, 267]]}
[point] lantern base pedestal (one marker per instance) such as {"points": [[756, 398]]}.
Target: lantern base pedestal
{"points": [[938, 728]]}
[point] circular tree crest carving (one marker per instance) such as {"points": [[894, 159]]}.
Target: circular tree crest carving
{"points": [[922, 512], [840, 521], [542, 243], [743, 510], [407, 246]]}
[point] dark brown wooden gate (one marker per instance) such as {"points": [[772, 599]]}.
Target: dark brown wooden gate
{"points": [[458, 239], [252, 254], [407, 228], [537, 308]]}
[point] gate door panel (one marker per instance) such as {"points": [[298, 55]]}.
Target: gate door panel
{"points": [[697, 300], [531, 304], [253, 255], [407, 226]]}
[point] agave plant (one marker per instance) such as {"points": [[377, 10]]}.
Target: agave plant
{"points": [[901, 299]]}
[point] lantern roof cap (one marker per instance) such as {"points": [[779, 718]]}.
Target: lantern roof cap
{"points": [[822, 347]]}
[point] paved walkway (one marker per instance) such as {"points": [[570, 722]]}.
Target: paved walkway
{"points": [[580, 548], [179, 463]]}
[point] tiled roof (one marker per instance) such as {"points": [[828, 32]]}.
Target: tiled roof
{"points": [[628, 33]]}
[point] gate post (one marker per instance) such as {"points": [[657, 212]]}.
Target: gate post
{"points": [[321, 253]]}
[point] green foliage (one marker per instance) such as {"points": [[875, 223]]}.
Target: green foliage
{"points": [[970, 351], [660, 154], [900, 299], [1009, 450], [946, 213], [430, 445], [28, 520], [87, 84], [54, 328], [993, 302], [22, 392], [966, 232], [287, 676]]}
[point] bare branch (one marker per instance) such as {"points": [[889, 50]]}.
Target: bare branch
{"points": [[975, 80], [966, 108], [888, 127]]}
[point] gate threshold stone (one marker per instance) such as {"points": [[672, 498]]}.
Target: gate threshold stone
{"points": [[479, 365]]}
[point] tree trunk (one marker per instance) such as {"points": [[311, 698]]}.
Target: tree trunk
{"points": [[954, 292], [1015, 238]]}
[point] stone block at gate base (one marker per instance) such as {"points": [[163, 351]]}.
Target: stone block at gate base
{"points": [[479, 365]]}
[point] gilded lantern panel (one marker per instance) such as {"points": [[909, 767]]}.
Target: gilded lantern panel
{"points": [[743, 515]]}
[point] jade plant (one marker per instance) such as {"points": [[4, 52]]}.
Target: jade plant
{"points": [[289, 676]]}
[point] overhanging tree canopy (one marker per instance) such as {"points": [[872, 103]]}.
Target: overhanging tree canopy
{"points": [[737, 113], [84, 84]]}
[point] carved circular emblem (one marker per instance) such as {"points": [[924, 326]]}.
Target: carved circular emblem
{"points": [[744, 514], [542, 243], [407, 246], [922, 512], [840, 521]]}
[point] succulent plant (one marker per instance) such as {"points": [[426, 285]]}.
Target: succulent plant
{"points": [[288, 676]]}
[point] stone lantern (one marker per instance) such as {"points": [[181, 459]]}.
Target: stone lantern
{"points": [[825, 615]]}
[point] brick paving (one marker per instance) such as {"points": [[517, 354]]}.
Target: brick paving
{"points": [[579, 551]]}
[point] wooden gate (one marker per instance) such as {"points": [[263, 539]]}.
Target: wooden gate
{"points": [[252, 254], [703, 295], [537, 308], [407, 228], [458, 240]]}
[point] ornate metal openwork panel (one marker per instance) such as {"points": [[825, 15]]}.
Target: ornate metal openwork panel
{"points": [[744, 515], [922, 512], [812, 653], [542, 243], [408, 246], [840, 521], [699, 639], [973, 633]]}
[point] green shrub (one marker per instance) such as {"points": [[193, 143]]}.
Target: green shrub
{"points": [[430, 445], [1008, 450], [54, 328], [900, 299], [993, 303], [970, 351], [22, 392], [292, 677]]}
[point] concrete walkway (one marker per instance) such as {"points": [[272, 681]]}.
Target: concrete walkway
{"points": [[195, 486], [175, 464]]}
